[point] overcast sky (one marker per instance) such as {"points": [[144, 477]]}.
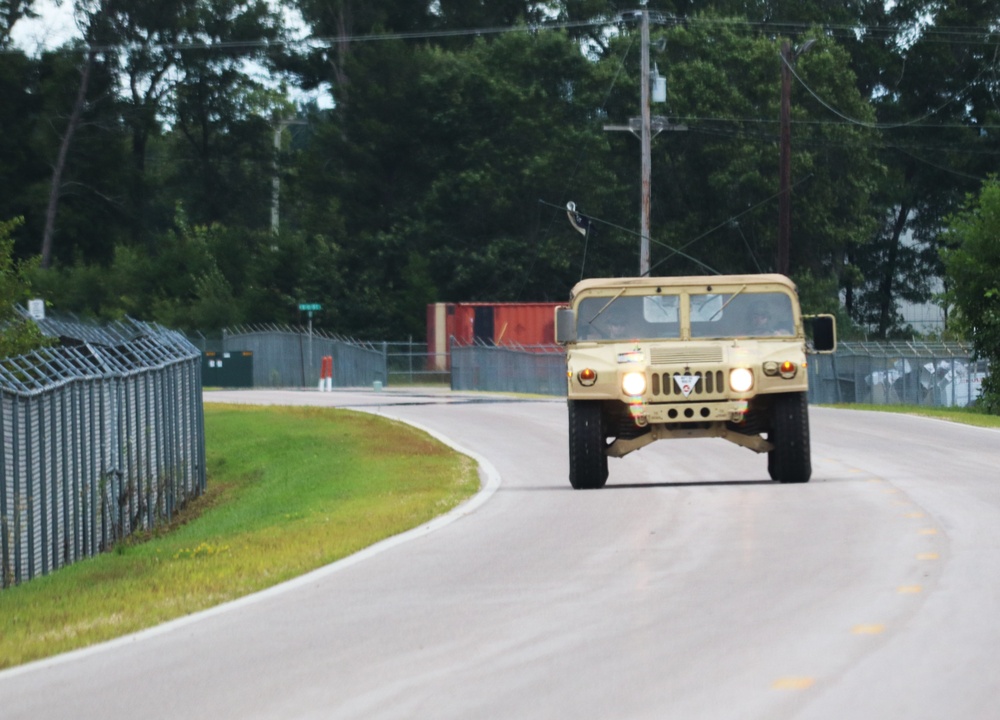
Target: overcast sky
{"points": [[55, 25], [52, 28]]}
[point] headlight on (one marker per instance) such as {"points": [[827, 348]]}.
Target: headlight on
{"points": [[740, 380], [634, 383]]}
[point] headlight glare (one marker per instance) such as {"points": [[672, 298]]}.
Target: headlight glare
{"points": [[740, 379], [634, 383]]}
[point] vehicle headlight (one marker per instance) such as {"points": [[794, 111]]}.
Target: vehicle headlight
{"points": [[786, 369], [740, 380], [634, 383]]}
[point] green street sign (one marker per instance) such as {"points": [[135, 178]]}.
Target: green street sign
{"points": [[309, 307]]}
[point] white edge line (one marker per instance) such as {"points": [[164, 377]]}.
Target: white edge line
{"points": [[490, 486]]}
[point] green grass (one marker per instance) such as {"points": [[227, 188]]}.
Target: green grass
{"points": [[959, 415], [289, 490]]}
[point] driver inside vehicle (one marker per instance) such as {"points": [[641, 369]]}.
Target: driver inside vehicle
{"points": [[612, 322], [763, 322]]}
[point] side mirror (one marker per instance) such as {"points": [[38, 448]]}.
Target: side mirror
{"points": [[565, 325], [821, 330]]}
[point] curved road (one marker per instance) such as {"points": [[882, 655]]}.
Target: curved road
{"points": [[688, 588]]}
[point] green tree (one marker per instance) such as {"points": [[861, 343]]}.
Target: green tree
{"points": [[928, 69], [90, 190], [439, 165], [973, 271], [21, 166], [17, 335], [162, 53], [715, 185]]}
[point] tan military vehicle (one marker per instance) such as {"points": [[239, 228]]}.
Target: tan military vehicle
{"points": [[688, 357]]}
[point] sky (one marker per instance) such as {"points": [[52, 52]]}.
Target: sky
{"points": [[53, 26]]}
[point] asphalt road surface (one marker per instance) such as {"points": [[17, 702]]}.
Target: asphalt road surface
{"points": [[690, 587]]}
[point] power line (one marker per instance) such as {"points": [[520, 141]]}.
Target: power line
{"points": [[966, 35], [323, 41], [878, 126]]}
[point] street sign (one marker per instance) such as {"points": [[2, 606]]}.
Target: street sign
{"points": [[310, 307]]}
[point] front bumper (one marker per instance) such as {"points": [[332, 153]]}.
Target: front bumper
{"points": [[688, 412]]}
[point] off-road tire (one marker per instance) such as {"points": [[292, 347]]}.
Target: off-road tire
{"points": [[790, 462], [588, 461]]}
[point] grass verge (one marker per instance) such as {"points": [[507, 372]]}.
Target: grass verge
{"points": [[289, 490], [959, 415]]}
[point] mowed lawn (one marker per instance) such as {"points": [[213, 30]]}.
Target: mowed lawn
{"points": [[289, 490]]}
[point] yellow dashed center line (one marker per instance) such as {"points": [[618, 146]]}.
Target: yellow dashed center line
{"points": [[793, 683], [868, 629], [805, 682]]}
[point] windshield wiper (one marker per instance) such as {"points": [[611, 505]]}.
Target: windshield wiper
{"points": [[726, 304], [606, 305]]}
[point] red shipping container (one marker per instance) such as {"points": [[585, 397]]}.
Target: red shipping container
{"points": [[517, 324]]}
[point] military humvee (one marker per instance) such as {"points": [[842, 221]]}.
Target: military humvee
{"points": [[685, 357]]}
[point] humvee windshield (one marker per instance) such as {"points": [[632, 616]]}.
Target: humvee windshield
{"points": [[718, 315], [713, 315], [629, 317]]}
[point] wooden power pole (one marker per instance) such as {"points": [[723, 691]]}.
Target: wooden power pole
{"points": [[645, 127]]}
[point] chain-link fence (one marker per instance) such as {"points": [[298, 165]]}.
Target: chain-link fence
{"points": [[102, 437], [539, 369], [285, 356], [410, 363], [933, 374], [894, 373]]}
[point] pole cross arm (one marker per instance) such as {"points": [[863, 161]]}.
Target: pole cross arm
{"points": [[657, 124]]}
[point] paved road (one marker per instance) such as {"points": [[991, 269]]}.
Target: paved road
{"points": [[688, 588]]}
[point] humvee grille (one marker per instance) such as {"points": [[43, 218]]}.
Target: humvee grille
{"points": [[672, 355], [709, 383]]}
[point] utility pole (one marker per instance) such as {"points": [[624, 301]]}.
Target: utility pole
{"points": [[644, 127], [785, 162], [647, 146]]}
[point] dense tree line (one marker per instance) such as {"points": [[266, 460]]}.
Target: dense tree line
{"points": [[17, 335], [972, 259], [143, 156]]}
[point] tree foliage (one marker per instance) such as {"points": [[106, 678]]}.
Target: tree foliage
{"points": [[17, 335], [452, 135], [972, 262]]}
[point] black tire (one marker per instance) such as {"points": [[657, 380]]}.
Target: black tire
{"points": [[790, 462], [588, 461]]}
